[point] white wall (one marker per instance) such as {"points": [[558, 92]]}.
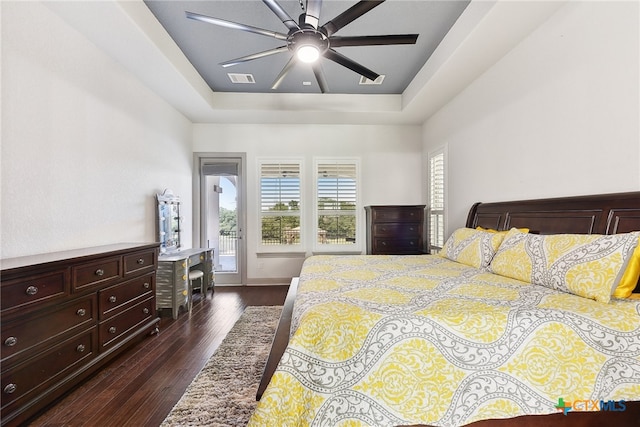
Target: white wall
{"points": [[391, 168], [557, 116], [85, 146]]}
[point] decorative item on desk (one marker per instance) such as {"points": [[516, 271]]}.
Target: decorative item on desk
{"points": [[168, 221]]}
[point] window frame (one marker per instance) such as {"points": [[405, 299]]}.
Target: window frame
{"points": [[282, 248], [433, 247], [336, 248]]}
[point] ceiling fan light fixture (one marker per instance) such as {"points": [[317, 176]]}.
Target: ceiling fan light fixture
{"points": [[307, 41], [308, 53]]}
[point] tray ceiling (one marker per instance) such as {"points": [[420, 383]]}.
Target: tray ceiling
{"points": [[206, 45]]}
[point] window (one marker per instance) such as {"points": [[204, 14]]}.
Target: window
{"points": [[280, 204], [436, 200], [336, 204]]}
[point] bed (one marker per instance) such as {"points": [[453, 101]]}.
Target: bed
{"points": [[521, 319]]}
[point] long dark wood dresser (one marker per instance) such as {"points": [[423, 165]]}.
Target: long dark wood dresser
{"points": [[65, 314]]}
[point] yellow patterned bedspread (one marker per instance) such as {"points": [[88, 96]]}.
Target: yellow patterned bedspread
{"points": [[391, 340]]}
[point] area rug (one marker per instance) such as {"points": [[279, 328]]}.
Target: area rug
{"points": [[224, 392]]}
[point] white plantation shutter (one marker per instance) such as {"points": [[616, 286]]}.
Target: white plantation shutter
{"points": [[336, 183], [436, 200], [336, 202], [280, 203], [279, 184]]}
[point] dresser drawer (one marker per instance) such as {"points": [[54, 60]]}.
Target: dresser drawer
{"points": [[96, 273], [34, 289], [397, 229], [116, 328], [50, 319], [397, 246], [40, 372], [42, 327], [140, 262], [117, 298], [397, 214]]}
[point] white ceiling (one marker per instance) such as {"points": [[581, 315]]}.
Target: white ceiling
{"points": [[130, 33]]}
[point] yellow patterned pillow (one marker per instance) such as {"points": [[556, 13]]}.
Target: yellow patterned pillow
{"points": [[587, 265], [472, 247], [630, 277]]}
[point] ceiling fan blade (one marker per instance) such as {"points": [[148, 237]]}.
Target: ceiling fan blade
{"points": [[284, 72], [312, 15], [350, 64], [322, 81], [254, 56], [350, 15], [282, 14], [373, 40], [235, 25]]}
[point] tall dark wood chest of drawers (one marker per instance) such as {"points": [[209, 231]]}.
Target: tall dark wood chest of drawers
{"points": [[63, 315], [395, 230]]}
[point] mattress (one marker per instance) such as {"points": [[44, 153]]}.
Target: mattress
{"points": [[391, 340]]}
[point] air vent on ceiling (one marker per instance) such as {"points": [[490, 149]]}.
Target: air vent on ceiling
{"points": [[241, 78], [366, 81]]}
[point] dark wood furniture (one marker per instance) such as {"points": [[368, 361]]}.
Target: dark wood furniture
{"points": [[599, 214], [395, 230], [142, 384], [66, 314]]}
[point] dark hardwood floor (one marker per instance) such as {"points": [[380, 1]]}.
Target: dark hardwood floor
{"points": [[140, 386]]}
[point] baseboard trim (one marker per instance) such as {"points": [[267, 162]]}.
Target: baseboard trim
{"points": [[269, 281]]}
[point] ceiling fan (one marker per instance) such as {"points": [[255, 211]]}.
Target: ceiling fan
{"points": [[308, 41]]}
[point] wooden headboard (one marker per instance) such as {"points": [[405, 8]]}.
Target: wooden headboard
{"points": [[599, 214]]}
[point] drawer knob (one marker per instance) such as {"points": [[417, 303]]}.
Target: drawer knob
{"points": [[32, 290], [11, 341], [384, 243], [140, 261], [112, 330], [80, 348], [145, 310], [10, 388], [81, 312], [146, 285], [99, 272], [113, 298]]}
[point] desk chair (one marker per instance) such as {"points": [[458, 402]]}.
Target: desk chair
{"points": [[193, 276]]}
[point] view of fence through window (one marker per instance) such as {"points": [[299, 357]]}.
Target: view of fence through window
{"points": [[227, 242], [281, 202], [336, 198]]}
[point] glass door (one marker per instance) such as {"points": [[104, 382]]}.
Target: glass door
{"points": [[222, 216]]}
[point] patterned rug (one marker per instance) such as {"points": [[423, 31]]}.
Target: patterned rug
{"points": [[224, 392]]}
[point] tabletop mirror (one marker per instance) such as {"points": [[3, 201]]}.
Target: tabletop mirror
{"points": [[168, 221]]}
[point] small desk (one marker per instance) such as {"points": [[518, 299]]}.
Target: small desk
{"points": [[172, 277]]}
